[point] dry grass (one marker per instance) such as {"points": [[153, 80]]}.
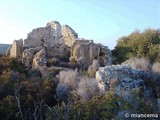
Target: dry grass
{"points": [[69, 78], [156, 67], [139, 63], [87, 88]]}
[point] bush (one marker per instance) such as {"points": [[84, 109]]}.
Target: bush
{"points": [[156, 67], [138, 44], [62, 92], [17, 66], [87, 88], [53, 72], [138, 63], [69, 78], [97, 108]]}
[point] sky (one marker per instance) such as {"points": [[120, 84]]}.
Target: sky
{"points": [[103, 21]]}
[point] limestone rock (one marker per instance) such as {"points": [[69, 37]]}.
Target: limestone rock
{"points": [[128, 79], [89, 51], [16, 49], [28, 54], [39, 59], [27, 57]]}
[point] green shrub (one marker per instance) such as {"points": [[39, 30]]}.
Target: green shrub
{"points": [[145, 44], [99, 108], [17, 66]]}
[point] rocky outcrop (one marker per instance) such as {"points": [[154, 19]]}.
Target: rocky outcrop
{"points": [[123, 79], [88, 50], [16, 49]]}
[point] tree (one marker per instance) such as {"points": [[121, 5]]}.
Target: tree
{"points": [[145, 44]]}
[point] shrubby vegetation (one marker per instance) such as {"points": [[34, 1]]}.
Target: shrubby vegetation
{"points": [[85, 87], [21, 96], [98, 107], [74, 93], [139, 63], [156, 67], [138, 44]]}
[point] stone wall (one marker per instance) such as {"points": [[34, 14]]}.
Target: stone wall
{"points": [[122, 79], [50, 35], [88, 50], [69, 35], [57, 50], [16, 49]]}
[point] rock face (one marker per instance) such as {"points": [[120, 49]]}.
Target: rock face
{"points": [[123, 78], [16, 49], [89, 51]]}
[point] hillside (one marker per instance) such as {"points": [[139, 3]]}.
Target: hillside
{"points": [[3, 48]]}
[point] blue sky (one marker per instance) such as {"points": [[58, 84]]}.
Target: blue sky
{"points": [[104, 21]]}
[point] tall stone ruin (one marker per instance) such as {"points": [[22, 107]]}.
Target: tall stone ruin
{"points": [[16, 50], [56, 40]]}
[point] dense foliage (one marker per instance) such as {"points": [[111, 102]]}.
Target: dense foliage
{"points": [[23, 97], [138, 44]]}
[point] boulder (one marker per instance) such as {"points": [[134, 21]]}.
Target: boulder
{"points": [[39, 59], [27, 57], [28, 54], [123, 79]]}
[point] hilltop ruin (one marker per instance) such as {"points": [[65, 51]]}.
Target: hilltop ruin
{"points": [[56, 40]]}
